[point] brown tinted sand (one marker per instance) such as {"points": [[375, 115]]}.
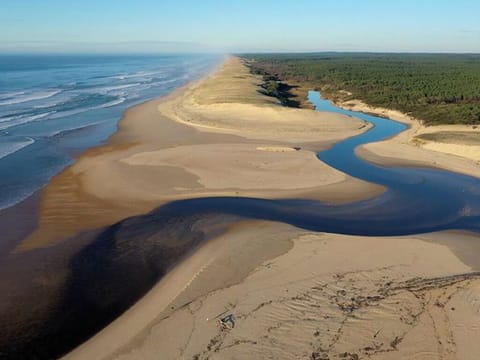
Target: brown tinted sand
{"points": [[293, 293], [380, 298], [203, 140]]}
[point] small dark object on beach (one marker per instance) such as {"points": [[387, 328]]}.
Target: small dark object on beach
{"points": [[228, 322], [349, 356], [317, 356], [395, 342]]}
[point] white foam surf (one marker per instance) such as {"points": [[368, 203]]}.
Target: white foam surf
{"points": [[62, 114], [27, 97], [9, 148], [19, 120]]}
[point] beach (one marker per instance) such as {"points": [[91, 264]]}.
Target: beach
{"points": [[234, 180], [308, 307], [291, 292], [396, 298], [163, 152]]}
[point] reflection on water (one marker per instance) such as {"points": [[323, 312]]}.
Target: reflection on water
{"points": [[417, 200], [69, 292]]}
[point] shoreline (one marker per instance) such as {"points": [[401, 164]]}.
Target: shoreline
{"points": [[24, 213], [197, 300], [151, 157], [103, 186], [33, 201]]}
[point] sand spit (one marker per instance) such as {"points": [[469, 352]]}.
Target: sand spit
{"points": [[200, 141], [395, 298]]}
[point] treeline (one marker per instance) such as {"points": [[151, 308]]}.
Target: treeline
{"points": [[438, 88]]}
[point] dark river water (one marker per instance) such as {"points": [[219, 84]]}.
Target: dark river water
{"points": [[417, 200], [67, 293]]}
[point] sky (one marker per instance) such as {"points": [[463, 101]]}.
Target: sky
{"points": [[239, 25]]}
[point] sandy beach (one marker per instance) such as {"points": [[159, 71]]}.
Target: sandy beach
{"points": [[397, 298], [240, 180], [265, 289], [174, 148]]}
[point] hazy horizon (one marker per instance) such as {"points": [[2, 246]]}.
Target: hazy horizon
{"points": [[219, 53], [215, 26]]}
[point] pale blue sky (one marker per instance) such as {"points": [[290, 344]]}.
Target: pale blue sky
{"points": [[239, 25]]}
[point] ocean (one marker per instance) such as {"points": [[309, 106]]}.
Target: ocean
{"points": [[52, 107]]}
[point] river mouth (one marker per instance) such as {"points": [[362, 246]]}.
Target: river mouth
{"points": [[101, 274]]}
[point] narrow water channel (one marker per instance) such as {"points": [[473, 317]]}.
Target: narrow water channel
{"points": [[110, 269], [417, 200]]}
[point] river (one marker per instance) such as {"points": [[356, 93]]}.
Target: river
{"points": [[71, 291]]}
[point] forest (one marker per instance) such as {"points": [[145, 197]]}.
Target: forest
{"points": [[436, 88]]}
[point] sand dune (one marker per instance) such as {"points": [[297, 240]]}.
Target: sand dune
{"points": [[230, 102], [176, 147]]}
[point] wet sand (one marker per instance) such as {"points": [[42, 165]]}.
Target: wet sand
{"points": [[385, 298], [293, 293], [152, 159], [17, 222], [176, 147], [297, 294]]}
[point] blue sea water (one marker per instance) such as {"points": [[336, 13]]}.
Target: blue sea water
{"points": [[54, 106]]}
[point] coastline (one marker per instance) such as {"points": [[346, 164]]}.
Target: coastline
{"points": [[284, 285], [204, 288], [103, 186]]}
